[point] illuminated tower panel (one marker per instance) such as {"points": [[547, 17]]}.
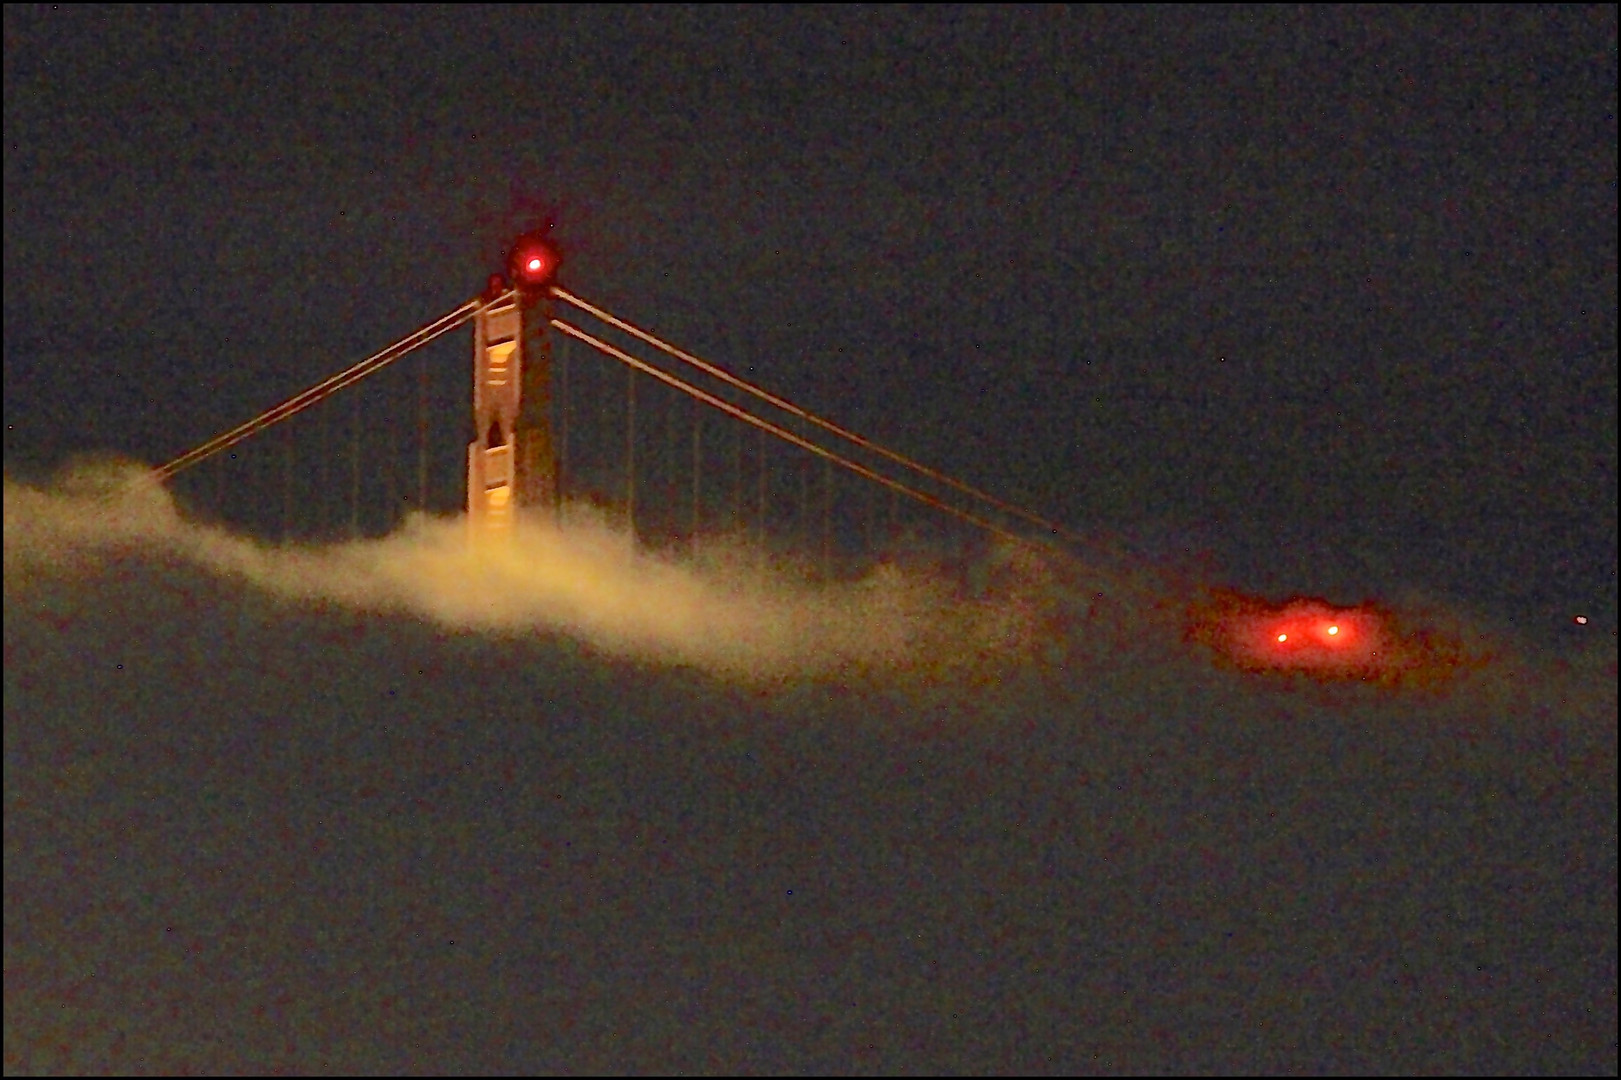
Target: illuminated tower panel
{"points": [[509, 462], [497, 400], [534, 462]]}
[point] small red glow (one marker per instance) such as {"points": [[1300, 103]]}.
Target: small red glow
{"points": [[1328, 643], [1301, 634], [1581, 620], [532, 261]]}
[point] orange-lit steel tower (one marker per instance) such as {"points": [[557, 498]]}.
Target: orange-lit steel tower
{"points": [[510, 460]]}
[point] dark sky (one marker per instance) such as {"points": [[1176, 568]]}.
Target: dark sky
{"points": [[1337, 282]]}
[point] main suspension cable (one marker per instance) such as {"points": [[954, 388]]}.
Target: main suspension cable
{"points": [[783, 433], [826, 425], [329, 386]]}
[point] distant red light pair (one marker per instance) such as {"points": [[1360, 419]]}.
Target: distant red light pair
{"points": [[1298, 635]]}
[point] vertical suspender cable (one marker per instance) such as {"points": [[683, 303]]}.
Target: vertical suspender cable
{"points": [[827, 516], [422, 432], [354, 476], [386, 433], [759, 516], [287, 485], [739, 507], [561, 406], [324, 389], [811, 418], [869, 524], [630, 449], [697, 469], [805, 467], [323, 474], [823, 452], [670, 485]]}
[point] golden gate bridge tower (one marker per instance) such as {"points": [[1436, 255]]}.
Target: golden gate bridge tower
{"points": [[513, 457], [511, 461]]}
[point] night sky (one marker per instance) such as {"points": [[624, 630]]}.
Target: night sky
{"points": [[1323, 297], [1331, 286]]}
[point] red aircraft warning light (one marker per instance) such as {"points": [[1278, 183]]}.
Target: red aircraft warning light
{"points": [[532, 262]]}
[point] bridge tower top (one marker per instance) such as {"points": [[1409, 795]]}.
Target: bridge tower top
{"points": [[511, 460]]}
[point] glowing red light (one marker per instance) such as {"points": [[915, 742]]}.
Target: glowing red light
{"points": [[1581, 620], [1328, 643], [1301, 634], [532, 261]]}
